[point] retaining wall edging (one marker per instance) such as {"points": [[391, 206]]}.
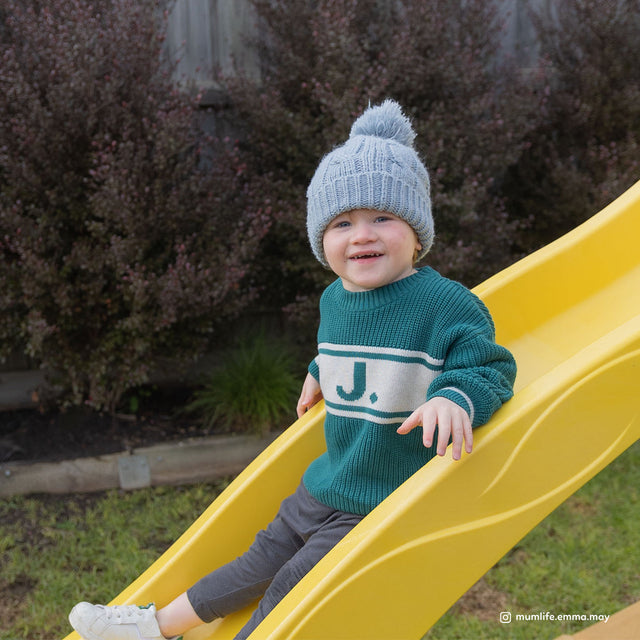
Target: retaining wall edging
{"points": [[189, 461]]}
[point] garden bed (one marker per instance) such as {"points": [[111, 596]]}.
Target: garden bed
{"points": [[35, 436]]}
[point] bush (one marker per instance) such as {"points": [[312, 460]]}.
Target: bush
{"points": [[323, 62], [117, 240], [126, 234], [583, 152], [516, 159]]}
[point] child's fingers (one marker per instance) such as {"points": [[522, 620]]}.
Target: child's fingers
{"points": [[468, 435], [410, 423], [446, 425], [457, 436], [310, 395], [420, 417], [461, 431], [453, 425], [428, 431], [304, 404]]}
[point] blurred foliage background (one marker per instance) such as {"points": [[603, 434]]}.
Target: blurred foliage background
{"points": [[129, 235]]}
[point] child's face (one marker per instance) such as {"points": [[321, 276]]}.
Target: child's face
{"points": [[368, 249]]}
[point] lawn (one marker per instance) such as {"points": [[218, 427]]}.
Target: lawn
{"points": [[583, 559], [56, 551]]}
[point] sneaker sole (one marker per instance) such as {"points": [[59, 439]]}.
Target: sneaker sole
{"points": [[77, 624]]}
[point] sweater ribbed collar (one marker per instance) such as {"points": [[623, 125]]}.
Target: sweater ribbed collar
{"points": [[382, 296]]}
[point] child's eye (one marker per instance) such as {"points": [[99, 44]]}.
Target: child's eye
{"points": [[340, 224], [382, 218]]}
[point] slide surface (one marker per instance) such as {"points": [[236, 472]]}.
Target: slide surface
{"points": [[570, 313]]}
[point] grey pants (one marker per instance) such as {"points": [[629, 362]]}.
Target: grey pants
{"points": [[303, 531]]}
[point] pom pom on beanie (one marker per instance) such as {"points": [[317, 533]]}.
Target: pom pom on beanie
{"points": [[385, 121], [376, 168]]}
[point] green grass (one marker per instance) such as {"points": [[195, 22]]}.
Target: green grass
{"points": [[583, 559], [56, 551]]}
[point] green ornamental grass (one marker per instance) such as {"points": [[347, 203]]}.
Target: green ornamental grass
{"points": [[254, 390]]}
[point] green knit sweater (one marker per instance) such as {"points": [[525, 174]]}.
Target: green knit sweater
{"points": [[381, 354]]}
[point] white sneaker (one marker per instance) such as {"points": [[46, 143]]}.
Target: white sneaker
{"points": [[130, 622]]}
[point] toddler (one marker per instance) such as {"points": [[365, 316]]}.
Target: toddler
{"points": [[399, 347]]}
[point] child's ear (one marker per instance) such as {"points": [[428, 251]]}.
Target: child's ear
{"points": [[417, 250]]}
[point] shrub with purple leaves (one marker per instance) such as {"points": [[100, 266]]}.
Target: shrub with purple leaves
{"points": [[585, 148], [117, 242], [323, 62], [516, 157]]}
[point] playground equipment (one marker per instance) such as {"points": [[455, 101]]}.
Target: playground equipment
{"points": [[570, 313]]}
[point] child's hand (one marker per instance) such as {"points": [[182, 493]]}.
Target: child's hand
{"points": [[310, 395], [451, 419]]}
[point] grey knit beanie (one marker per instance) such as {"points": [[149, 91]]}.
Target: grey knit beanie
{"points": [[376, 168]]}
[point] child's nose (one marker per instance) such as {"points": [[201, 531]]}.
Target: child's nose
{"points": [[363, 232]]}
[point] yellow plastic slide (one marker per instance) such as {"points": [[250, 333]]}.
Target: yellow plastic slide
{"points": [[570, 313]]}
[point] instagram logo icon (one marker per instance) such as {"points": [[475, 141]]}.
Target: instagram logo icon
{"points": [[505, 617]]}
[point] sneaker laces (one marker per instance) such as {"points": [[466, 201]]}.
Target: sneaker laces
{"points": [[124, 612], [129, 613]]}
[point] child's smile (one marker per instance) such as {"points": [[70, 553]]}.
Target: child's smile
{"points": [[368, 249]]}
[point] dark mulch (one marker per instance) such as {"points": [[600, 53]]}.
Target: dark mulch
{"points": [[31, 435]]}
